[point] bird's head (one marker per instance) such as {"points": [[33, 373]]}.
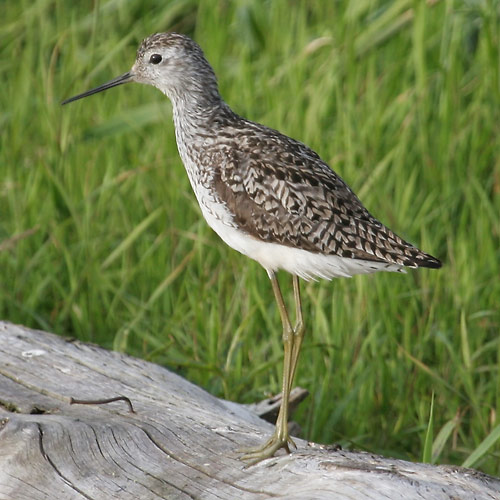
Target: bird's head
{"points": [[171, 62]]}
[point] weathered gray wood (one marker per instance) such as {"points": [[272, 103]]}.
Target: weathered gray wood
{"points": [[180, 444]]}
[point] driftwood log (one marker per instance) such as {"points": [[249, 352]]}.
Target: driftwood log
{"points": [[181, 442]]}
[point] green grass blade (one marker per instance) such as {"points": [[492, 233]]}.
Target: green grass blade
{"points": [[488, 442], [429, 435], [132, 237], [442, 437]]}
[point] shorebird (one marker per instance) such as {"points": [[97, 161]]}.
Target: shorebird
{"points": [[268, 196]]}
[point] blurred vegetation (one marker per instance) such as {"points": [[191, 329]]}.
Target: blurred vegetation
{"points": [[101, 237]]}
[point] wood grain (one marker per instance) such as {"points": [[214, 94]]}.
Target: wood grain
{"points": [[181, 443]]}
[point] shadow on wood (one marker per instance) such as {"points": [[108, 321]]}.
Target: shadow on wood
{"points": [[180, 443]]}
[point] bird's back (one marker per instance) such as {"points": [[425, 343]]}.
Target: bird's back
{"points": [[279, 191]]}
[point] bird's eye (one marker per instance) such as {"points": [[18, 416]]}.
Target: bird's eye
{"points": [[155, 59]]}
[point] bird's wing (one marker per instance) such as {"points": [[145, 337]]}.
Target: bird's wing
{"points": [[280, 191]]}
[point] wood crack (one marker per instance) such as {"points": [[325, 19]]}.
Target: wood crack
{"points": [[142, 472], [162, 449], [46, 456]]}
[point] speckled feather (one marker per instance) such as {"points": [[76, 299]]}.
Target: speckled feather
{"points": [[280, 191], [276, 189]]}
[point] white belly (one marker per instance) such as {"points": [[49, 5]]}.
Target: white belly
{"points": [[306, 265]]}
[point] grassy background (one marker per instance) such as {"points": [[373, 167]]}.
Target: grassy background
{"points": [[101, 237]]}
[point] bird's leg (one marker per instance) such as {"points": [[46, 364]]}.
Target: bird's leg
{"points": [[298, 330], [281, 437]]}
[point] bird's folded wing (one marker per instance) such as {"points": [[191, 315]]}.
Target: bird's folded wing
{"points": [[280, 191]]}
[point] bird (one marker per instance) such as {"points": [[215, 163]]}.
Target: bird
{"points": [[268, 196]]}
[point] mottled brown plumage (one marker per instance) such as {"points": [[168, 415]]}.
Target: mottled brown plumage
{"points": [[280, 191]]}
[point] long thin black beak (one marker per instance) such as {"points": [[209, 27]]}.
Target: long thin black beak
{"points": [[120, 80]]}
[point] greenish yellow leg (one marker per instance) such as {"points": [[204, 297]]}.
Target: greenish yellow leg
{"points": [[292, 341], [299, 329]]}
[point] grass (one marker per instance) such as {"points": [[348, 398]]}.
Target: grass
{"points": [[101, 237]]}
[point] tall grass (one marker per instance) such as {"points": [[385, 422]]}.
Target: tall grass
{"points": [[101, 237]]}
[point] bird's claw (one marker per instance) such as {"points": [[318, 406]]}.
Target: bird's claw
{"points": [[255, 455]]}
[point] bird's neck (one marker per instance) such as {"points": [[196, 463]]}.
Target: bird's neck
{"points": [[198, 114], [198, 120]]}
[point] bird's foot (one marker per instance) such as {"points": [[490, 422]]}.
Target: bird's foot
{"points": [[254, 455]]}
